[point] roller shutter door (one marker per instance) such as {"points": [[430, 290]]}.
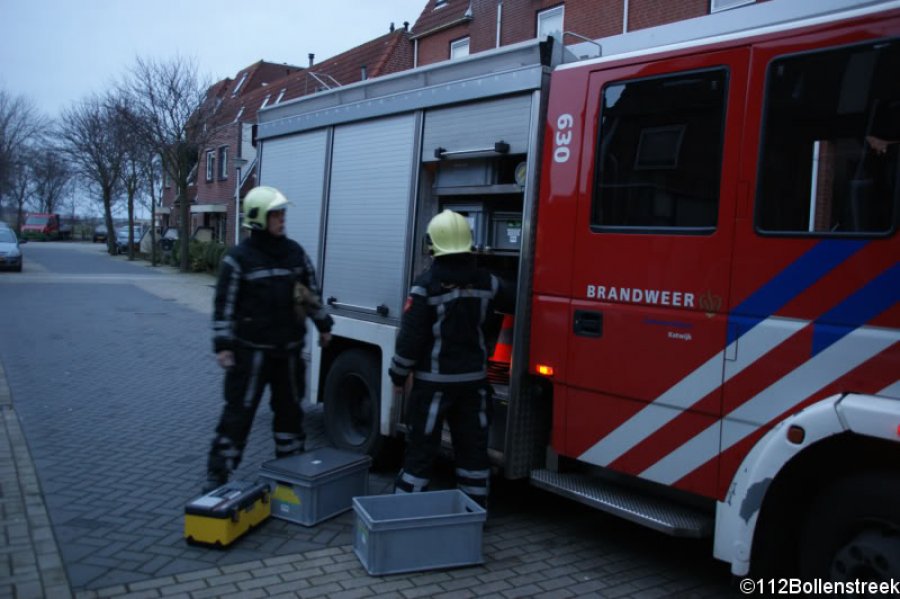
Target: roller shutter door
{"points": [[371, 179], [296, 166]]}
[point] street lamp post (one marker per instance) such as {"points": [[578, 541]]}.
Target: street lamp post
{"points": [[238, 164]]}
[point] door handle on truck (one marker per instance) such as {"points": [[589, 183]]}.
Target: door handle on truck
{"points": [[381, 310], [588, 323]]}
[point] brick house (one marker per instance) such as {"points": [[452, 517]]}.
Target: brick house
{"points": [[455, 28], [212, 191], [445, 29]]}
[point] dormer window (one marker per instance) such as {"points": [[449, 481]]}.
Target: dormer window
{"points": [[239, 114], [550, 23], [280, 95], [265, 101], [237, 87], [440, 3]]}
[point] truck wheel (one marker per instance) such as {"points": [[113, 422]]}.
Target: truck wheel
{"points": [[352, 402], [852, 530]]}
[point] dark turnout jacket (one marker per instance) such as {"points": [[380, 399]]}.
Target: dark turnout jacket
{"points": [[254, 303], [441, 338]]}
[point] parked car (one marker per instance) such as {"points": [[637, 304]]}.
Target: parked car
{"points": [[100, 234], [10, 253], [122, 241]]}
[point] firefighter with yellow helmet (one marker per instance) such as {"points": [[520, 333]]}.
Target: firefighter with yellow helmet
{"points": [[441, 347], [258, 332]]}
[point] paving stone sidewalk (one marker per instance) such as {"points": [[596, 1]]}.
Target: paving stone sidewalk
{"points": [[61, 539]]}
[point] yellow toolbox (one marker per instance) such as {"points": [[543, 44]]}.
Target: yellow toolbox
{"points": [[224, 515]]}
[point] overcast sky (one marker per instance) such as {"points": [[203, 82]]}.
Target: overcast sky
{"points": [[59, 51]]}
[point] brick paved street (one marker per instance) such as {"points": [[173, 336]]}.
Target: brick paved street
{"points": [[109, 394]]}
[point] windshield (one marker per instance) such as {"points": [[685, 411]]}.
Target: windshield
{"points": [[36, 220], [6, 236]]}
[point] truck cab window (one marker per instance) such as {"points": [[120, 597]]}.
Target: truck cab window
{"points": [[831, 142], [660, 153]]}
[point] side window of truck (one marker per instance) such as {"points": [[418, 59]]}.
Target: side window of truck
{"points": [[830, 148], [659, 153]]}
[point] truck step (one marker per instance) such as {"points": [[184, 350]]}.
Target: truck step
{"points": [[657, 513]]}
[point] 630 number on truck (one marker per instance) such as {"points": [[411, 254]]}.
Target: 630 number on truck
{"points": [[703, 233]]}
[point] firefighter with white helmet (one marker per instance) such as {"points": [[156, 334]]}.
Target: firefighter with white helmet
{"points": [[258, 332], [441, 347]]}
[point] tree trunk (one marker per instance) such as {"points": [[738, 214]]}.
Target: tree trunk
{"points": [[183, 241]]}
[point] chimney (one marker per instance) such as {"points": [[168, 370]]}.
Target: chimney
{"points": [[391, 28], [405, 25], [363, 75], [311, 58]]}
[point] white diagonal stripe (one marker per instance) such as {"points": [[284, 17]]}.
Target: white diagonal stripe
{"points": [[754, 344], [814, 374]]}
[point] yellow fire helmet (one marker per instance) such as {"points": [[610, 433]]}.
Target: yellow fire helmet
{"points": [[258, 202], [449, 233]]}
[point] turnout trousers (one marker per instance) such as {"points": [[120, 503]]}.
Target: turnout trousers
{"points": [[253, 370], [467, 409]]}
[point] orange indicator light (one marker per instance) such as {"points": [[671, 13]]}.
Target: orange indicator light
{"points": [[545, 370]]}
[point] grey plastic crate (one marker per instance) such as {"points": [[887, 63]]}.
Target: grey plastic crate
{"points": [[314, 486], [417, 531]]}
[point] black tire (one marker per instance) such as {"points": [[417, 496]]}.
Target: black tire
{"points": [[852, 530], [353, 402]]}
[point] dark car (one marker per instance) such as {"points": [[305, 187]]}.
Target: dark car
{"points": [[100, 233], [10, 253], [122, 241]]}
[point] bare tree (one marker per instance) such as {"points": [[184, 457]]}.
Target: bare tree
{"points": [[19, 185], [51, 178], [20, 126], [151, 167], [172, 113], [91, 134]]}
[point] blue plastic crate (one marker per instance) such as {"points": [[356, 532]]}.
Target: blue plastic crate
{"points": [[418, 531]]}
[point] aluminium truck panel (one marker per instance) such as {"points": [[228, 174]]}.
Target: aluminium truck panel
{"points": [[478, 126], [296, 165], [372, 172]]}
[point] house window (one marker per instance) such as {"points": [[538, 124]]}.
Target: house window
{"points": [[237, 87], [719, 5], [223, 162], [210, 165], [830, 152], [659, 154], [550, 23], [459, 48], [440, 3]]}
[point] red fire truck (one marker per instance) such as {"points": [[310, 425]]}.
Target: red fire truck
{"points": [[702, 224]]}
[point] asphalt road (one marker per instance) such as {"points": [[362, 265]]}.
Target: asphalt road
{"points": [[112, 376]]}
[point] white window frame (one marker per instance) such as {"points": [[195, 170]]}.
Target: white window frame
{"points": [[544, 15], [265, 101], [210, 164], [720, 5], [459, 48], [240, 83], [280, 95], [223, 162]]}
